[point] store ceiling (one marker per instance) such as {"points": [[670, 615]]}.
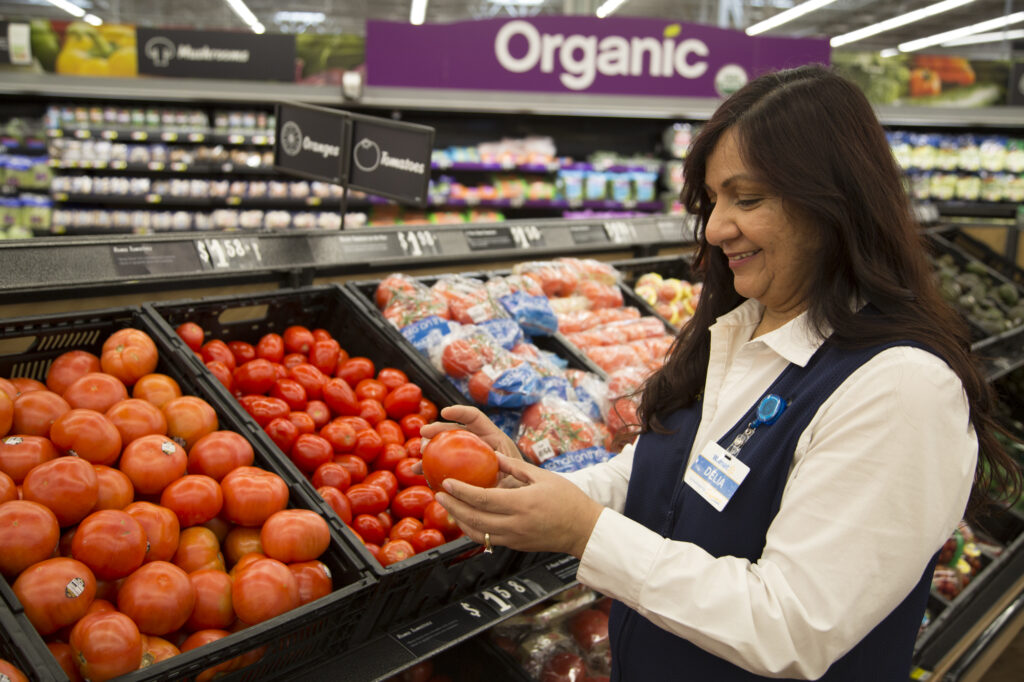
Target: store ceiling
{"points": [[349, 16]]}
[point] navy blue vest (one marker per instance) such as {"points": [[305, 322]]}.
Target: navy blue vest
{"points": [[657, 498]]}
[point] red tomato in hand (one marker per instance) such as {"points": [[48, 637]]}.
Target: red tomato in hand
{"points": [[29, 532], [55, 592], [218, 453], [68, 368], [106, 644], [192, 334], [129, 355], [461, 455], [159, 597]]}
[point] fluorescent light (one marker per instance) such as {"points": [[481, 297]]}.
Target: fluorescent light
{"points": [[69, 7], [246, 15], [418, 12], [787, 16], [92, 19], [889, 52], [938, 38], [901, 20], [516, 2], [608, 7], [996, 37], [300, 17]]}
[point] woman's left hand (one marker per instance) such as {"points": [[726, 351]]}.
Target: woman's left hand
{"points": [[547, 513]]}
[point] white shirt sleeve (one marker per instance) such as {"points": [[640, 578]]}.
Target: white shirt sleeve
{"points": [[880, 479], [607, 482]]}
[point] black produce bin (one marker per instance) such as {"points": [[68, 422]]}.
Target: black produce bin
{"points": [[21, 646], [556, 343], [294, 639], [424, 581]]}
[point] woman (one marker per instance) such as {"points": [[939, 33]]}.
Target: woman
{"points": [[797, 542]]}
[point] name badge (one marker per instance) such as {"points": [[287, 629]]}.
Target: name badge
{"points": [[716, 475]]}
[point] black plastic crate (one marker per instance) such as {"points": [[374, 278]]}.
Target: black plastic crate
{"points": [[20, 645], [27, 348], [426, 580], [984, 253]]}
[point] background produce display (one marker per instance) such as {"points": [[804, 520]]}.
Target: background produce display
{"points": [[148, 507]]}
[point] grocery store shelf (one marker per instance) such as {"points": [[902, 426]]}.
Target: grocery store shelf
{"points": [[262, 139], [978, 209]]}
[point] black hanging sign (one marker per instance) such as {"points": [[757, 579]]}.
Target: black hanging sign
{"points": [[310, 142], [1016, 94], [391, 158], [157, 258], [216, 54]]}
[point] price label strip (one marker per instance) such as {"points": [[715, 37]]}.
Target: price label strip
{"points": [[238, 253], [450, 624]]}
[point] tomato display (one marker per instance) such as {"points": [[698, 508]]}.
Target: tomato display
{"points": [[86, 434], [152, 462], [264, 589], [192, 334], [55, 592], [128, 354], [20, 454], [158, 596], [252, 494], [36, 411], [67, 485], [68, 367], [28, 533], [106, 644], [161, 527], [110, 542], [194, 499], [295, 535], [461, 455], [134, 418]]}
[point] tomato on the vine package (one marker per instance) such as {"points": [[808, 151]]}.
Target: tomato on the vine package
{"points": [[469, 300], [553, 426], [403, 300]]}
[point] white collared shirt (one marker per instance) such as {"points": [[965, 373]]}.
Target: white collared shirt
{"points": [[880, 478]]}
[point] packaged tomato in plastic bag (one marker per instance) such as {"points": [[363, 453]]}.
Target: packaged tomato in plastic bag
{"points": [[469, 300], [508, 381], [555, 278], [581, 320], [599, 294], [552, 426], [464, 351], [404, 300], [592, 269], [626, 380], [533, 313]]}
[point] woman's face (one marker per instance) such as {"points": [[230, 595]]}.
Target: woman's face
{"points": [[770, 250]]}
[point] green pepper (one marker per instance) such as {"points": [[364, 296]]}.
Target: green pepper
{"points": [[45, 43]]}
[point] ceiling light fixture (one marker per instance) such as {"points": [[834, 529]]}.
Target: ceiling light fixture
{"points": [[978, 38], [69, 7], [608, 7], [246, 15], [516, 2], [418, 12], [92, 19], [787, 16], [980, 27], [894, 22], [286, 16]]}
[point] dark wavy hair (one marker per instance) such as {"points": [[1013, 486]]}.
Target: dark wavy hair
{"points": [[812, 137]]}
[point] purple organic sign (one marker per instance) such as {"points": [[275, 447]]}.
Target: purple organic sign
{"points": [[614, 56]]}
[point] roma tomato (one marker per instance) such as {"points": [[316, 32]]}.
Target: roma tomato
{"points": [[340, 397], [372, 411], [156, 388], [67, 485], [215, 349], [243, 352], [212, 607], [194, 499], [333, 474], [310, 451], [369, 445], [36, 411], [366, 498], [384, 479], [323, 355], [298, 339], [412, 501], [436, 516], [134, 418], [189, 418], [192, 334], [357, 467], [405, 474], [114, 488], [110, 542], [198, 548], [158, 596], [461, 455], [340, 434], [371, 388], [218, 453], [68, 367], [427, 538], [222, 374], [254, 377], [321, 334], [106, 644], [264, 409], [388, 459], [264, 589], [313, 578], [414, 447], [337, 501], [290, 391], [86, 434], [370, 528], [312, 379], [152, 462], [283, 432], [428, 410], [403, 400], [405, 529], [355, 369], [20, 454], [394, 551], [318, 411], [293, 359], [252, 494], [390, 432], [392, 377], [29, 533], [55, 592], [161, 527], [271, 347], [293, 535], [411, 424], [129, 355]]}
